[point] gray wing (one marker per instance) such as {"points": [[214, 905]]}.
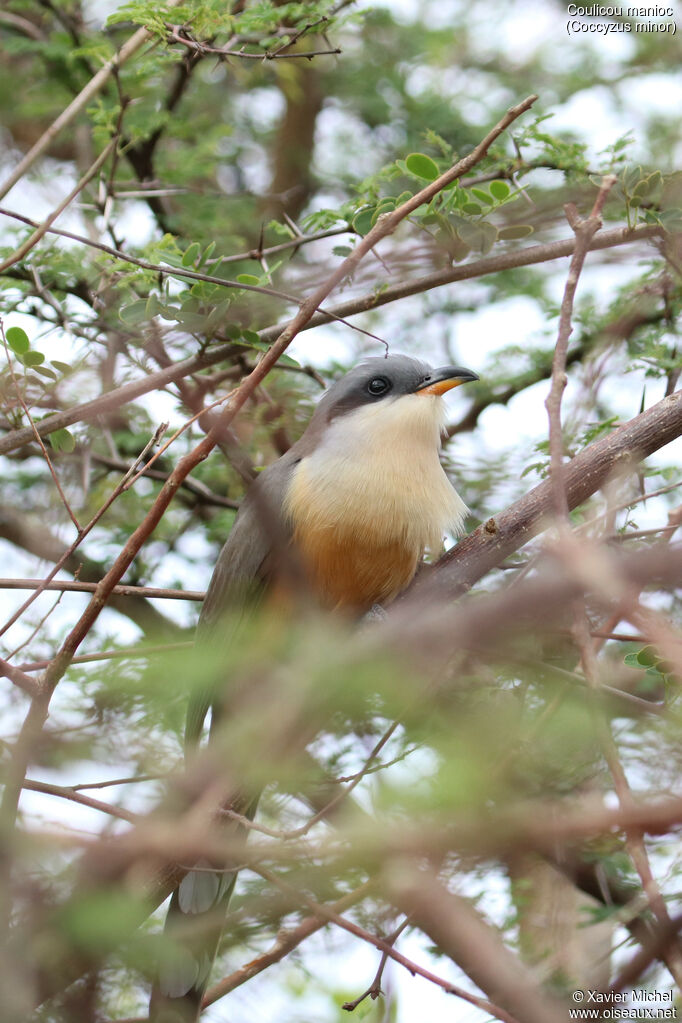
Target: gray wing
{"points": [[242, 570], [257, 530]]}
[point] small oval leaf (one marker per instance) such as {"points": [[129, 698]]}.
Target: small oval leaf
{"points": [[62, 440], [483, 196], [18, 340], [362, 221], [499, 190], [191, 255], [247, 279], [507, 234], [422, 166], [32, 358], [45, 372], [134, 313]]}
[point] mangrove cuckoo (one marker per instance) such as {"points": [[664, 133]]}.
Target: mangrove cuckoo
{"points": [[357, 500]]}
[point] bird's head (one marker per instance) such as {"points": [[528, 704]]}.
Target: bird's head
{"points": [[379, 383]]}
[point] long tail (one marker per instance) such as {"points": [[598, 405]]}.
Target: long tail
{"points": [[194, 927]]}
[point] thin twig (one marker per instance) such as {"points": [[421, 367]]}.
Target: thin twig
{"points": [[239, 257], [123, 589], [41, 230], [634, 837], [59, 564], [374, 990], [66, 792], [287, 940], [584, 231], [37, 436], [327, 913], [144, 264], [176, 34], [19, 678]]}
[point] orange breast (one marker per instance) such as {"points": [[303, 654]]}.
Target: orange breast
{"points": [[351, 575]]}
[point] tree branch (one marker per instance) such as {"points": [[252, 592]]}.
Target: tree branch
{"points": [[584, 231], [505, 533]]}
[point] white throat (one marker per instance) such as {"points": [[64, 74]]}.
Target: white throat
{"points": [[376, 475]]}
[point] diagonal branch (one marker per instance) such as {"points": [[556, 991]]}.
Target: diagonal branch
{"points": [[457, 930], [503, 534]]}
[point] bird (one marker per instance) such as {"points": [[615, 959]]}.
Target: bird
{"points": [[347, 513]]}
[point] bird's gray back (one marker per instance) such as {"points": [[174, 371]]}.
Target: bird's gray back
{"points": [[244, 561]]}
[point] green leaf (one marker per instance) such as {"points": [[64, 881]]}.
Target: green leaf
{"points": [[286, 360], [18, 340], [191, 255], [62, 440], [248, 279], [232, 330], [630, 177], [487, 236], [506, 234], [362, 221], [385, 206], [499, 190], [168, 312], [342, 250], [472, 208], [32, 358], [671, 220], [644, 186], [647, 657], [251, 336], [208, 252], [134, 313], [483, 196], [45, 372], [422, 166], [63, 367]]}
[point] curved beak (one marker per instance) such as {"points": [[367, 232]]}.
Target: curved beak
{"points": [[445, 378]]}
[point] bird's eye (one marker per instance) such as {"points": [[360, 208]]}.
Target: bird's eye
{"points": [[379, 385]]}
